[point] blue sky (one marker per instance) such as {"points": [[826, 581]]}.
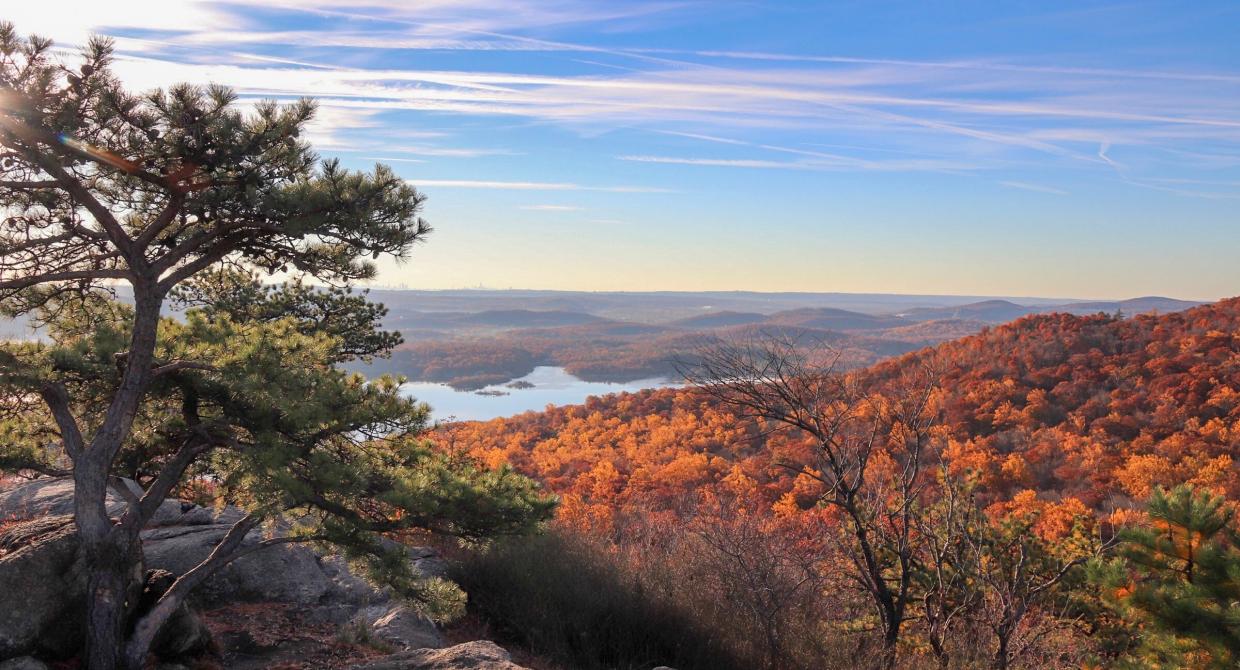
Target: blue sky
{"points": [[1001, 148]]}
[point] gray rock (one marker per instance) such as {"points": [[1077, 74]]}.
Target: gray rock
{"points": [[285, 573], [40, 497], [290, 573], [23, 663], [178, 538], [478, 655], [182, 535], [427, 563], [39, 584], [43, 588], [54, 496], [400, 627]]}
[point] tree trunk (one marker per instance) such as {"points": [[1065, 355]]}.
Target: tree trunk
{"points": [[1004, 637], [890, 612], [938, 646], [891, 636], [111, 551], [145, 628], [1001, 655], [112, 591]]}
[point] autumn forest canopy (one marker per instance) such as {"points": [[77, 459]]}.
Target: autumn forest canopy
{"points": [[1060, 429], [189, 351]]}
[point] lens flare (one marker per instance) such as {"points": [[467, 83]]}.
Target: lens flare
{"points": [[98, 154]]}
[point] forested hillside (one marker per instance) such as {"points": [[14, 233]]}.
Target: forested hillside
{"points": [[1095, 408], [1060, 426]]}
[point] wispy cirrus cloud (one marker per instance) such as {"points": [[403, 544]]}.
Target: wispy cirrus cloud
{"points": [[763, 96], [550, 208], [584, 114], [946, 115], [984, 65], [721, 162], [905, 165], [448, 152], [532, 186], [478, 15], [1037, 188]]}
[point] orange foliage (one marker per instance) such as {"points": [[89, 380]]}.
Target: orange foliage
{"points": [[1056, 413]]}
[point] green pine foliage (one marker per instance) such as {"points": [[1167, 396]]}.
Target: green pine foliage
{"points": [[1175, 583], [311, 450], [184, 195]]}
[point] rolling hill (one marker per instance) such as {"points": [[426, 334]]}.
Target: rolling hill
{"points": [[1090, 407], [990, 311], [719, 320], [457, 347]]}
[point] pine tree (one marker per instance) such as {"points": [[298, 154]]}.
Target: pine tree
{"points": [[178, 192], [1177, 582]]}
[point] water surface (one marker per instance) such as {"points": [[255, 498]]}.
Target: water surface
{"points": [[552, 386]]}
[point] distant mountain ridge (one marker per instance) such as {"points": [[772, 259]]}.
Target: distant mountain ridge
{"points": [[719, 319], [528, 318], [990, 311], [471, 339], [1132, 306], [993, 311], [1002, 311], [830, 318]]}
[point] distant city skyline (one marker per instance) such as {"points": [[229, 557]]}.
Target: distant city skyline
{"points": [[1070, 150]]}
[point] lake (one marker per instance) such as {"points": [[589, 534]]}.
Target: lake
{"points": [[551, 386]]}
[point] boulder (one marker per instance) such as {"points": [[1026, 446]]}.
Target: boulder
{"points": [[399, 627], [184, 634], [478, 655], [428, 563], [40, 588], [53, 496], [40, 497], [285, 573], [179, 537], [42, 592], [23, 663]]}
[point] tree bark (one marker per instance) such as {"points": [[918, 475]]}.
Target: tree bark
{"points": [[112, 591], [111, 551]]}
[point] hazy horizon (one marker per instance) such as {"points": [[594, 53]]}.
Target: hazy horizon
{"points": [[1049, 299]]}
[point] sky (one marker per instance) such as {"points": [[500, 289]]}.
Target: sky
{"points": [[1063, 149]]}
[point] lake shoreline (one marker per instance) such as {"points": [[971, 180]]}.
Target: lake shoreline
{"points": [[546, 385]]}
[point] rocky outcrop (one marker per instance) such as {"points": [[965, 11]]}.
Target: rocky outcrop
{"points": [[480, 655], [286, 573], [399, 626], [41, 586], [23, 663]]}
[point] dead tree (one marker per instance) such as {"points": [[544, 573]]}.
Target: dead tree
{"points": [[853, 421]]}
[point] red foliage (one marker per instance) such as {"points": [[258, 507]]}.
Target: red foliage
{"points": [[1094, 409]]}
